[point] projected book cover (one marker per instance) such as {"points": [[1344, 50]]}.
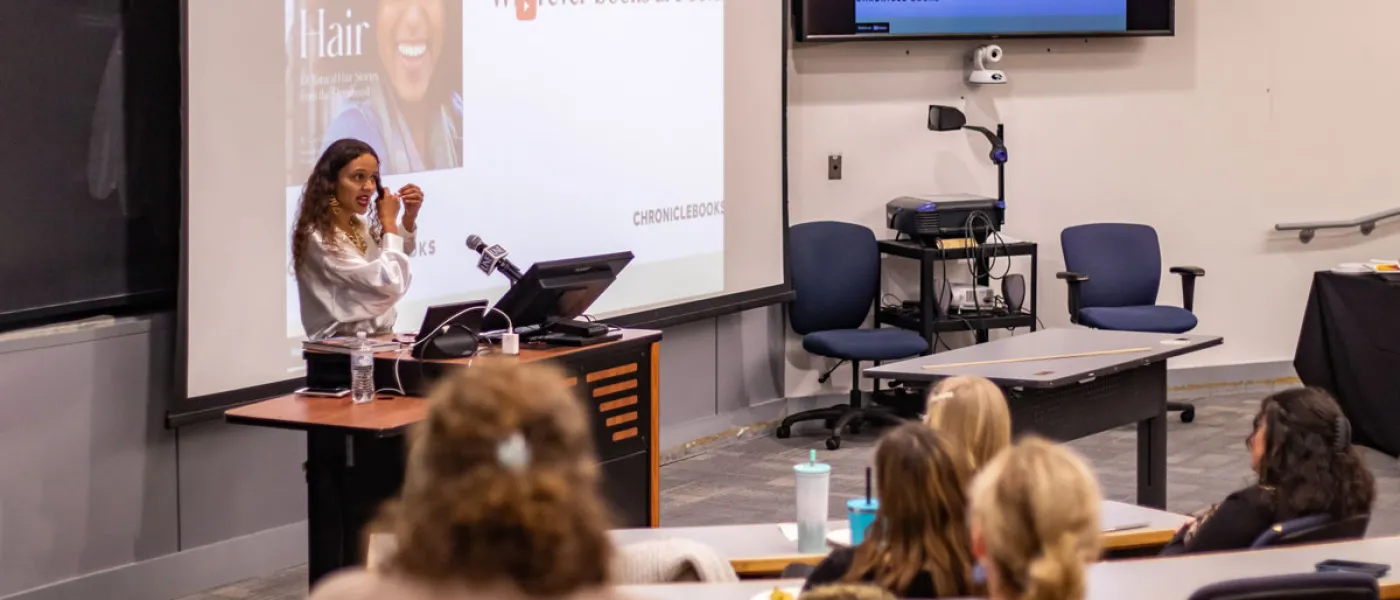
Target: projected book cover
{"points": [[388, 73], [584, 139]]}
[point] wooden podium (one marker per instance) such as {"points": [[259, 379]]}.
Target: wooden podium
{"points": [[355, 453]]}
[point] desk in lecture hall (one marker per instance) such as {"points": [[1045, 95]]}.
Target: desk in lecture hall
{"points": [[355, 453], [1141, 579], [761, 550]]}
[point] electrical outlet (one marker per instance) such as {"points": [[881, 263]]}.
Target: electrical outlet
{"points": [[833, 167]]}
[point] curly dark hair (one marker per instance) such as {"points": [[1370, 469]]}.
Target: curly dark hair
{"points": [[1309, 464], [468, 516], [314, 213]]}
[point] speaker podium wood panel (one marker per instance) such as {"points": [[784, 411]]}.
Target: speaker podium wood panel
{"points": [[355, 453]]}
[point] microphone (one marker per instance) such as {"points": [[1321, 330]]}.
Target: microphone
{"points": [[493, 258]]}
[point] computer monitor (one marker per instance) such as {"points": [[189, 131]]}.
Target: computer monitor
{"points": [[551, 294]]}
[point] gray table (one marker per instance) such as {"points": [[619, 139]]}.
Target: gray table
{"points": [[1146, 579], [1073, 397], [761, 550]]}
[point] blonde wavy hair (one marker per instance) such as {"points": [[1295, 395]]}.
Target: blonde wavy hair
{"points": [[501, 486], [1035, 522], [971, 414]]}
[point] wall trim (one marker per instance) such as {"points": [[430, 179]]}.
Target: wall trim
{"points": [[1241, 378], [188, 571], [680, 440]]}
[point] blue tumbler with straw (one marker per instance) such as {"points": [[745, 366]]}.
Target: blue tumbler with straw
{"points": [[861, 513]]}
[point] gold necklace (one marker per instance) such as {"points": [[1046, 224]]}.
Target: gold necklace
{"points": [[356, 238]]}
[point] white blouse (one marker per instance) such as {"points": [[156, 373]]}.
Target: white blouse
{"points": [[343, 292]]}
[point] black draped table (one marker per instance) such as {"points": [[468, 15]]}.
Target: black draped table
{"points": [[1350, 346]]}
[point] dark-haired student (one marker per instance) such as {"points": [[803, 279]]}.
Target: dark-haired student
{"points": [[1302, 454], [919, 544]]}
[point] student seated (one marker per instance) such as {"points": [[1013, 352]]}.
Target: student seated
{"points": [[1302, 455], [499, 500], [917, 546], [1035, 522], [971, 415]]}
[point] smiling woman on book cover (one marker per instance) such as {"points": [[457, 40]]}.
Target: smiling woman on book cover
{"points": [[351, 243], [387, 72], [413, 117]]}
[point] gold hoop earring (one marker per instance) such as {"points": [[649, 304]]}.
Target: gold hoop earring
{"points": [[335, 206]]}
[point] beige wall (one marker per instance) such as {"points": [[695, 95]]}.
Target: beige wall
{"points": [[1257, 112]]}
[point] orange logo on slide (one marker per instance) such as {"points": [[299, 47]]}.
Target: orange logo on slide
{"points": [[525, 9]]}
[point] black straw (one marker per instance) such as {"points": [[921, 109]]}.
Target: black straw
{"points": [[867, 486]]}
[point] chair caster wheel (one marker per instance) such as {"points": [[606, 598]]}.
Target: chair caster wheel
{"points": [[833, 443], [783, 432], [1188, 415]]}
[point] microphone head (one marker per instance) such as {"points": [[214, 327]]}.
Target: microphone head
{"points": [[474, 242]]}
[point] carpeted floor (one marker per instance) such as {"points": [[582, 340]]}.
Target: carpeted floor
{"points": [[751, 481]]}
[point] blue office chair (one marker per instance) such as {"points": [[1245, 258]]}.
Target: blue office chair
{"points": [[1113, 271], [1298, 586], [836, 278], [1313, 529]]}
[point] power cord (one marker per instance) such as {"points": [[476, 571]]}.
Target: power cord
{"points": [[592, 319], [506, 340], [979, 256]]}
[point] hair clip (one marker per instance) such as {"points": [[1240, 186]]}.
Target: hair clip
{"points": [[513, 453], [940, 396], [1341, 433]]}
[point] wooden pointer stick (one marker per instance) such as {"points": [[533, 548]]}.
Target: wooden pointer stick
{"points": [[1031, 358]]}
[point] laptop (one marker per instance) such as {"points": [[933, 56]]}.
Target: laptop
{"points": [[439, 314]]}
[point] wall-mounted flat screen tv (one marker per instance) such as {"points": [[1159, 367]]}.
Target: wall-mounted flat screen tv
{"points": [[816, 20]]}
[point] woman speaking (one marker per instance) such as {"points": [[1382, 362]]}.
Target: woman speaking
{"points": [[348, 245]]}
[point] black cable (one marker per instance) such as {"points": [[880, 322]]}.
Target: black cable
{"points": [[942, 311]]}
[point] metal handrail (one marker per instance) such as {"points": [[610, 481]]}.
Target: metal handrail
{"points": [[1367, 224]]}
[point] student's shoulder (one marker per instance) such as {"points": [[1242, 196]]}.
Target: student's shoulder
{"points": [[358, 584], [1254, 495]]}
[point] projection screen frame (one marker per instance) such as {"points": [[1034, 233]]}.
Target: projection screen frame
{"points": [[185, 410]]}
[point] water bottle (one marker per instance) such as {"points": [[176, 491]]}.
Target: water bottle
{"points": [[813, 487], [361, 371]]}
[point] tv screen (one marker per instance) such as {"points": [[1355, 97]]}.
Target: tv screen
{"points": [[952, 19]]}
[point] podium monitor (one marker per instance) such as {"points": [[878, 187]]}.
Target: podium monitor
{"points": [[552, 294]]}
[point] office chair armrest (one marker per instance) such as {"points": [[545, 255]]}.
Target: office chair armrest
{"points": [[1073, 279], [1188, 284]]}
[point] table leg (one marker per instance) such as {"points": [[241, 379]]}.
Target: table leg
{"points": [[347, 478], [1152, 461]]}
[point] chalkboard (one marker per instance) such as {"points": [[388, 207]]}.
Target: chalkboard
{"points": [[90, 158]]}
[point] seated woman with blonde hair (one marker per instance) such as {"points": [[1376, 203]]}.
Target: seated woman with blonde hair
{"points": [[971, 414], [500, 497], [1035, 522]]}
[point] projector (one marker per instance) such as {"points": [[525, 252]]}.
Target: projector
{"points": [[963, 297], [926, 218]]}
